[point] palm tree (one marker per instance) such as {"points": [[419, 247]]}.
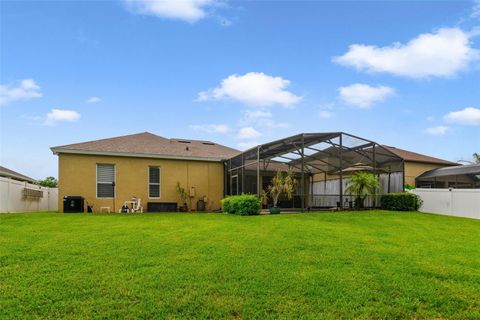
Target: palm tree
{"points": [[361, 184], [281, 184], [476, 158]]}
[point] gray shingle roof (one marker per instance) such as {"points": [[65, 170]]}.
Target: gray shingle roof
{"points": [[5, 172], [150, 145], [417, 157]]}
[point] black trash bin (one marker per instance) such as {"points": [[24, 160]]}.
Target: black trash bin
{"points": [[73, 204], [200, 205]]}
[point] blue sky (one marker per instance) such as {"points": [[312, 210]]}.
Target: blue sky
{"points": [[401, 73]]}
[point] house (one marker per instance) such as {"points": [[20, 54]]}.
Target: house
{"points": [[7, 173], [109, 172], [416, 163]]}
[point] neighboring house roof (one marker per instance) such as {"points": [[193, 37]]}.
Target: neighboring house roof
{"points": [[417, 157], [151, 146], [5, 172], [472, 169]]}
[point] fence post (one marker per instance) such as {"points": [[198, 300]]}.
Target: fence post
{"points": [[451, 201], [8, 195]]}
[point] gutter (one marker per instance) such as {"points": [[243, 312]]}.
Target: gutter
{"points": [[132, 155]]}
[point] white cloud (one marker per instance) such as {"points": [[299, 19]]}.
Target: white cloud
{"points": [[28, 89], [211, 128], [186, 10], [57, 115], [270, 123], [476, 9], [32, 118], [248, 133], [260, 118], [325, 114], [467, 116], [250, 117], [247, 145], [254, 89], [256, 114], [93, 100], [439, 54], [363, 96], [437, 131]]}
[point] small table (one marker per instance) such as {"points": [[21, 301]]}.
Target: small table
{"points": [[105, 208]]}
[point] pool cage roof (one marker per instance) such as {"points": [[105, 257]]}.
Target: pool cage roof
{"points": [[308, 154], [329, 153]]}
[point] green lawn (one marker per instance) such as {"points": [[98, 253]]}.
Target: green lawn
{"points": [[339, 265]]}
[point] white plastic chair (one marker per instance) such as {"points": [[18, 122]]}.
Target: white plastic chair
{"points": [[137, 205]]}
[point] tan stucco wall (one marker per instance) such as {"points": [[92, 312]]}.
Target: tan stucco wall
{"points": [[77, 177], [414, 169]]}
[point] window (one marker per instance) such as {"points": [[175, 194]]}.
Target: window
{"points": [[154, 182], [105, 180]]}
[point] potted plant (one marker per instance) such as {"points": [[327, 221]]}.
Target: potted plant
{"points": [[360, 185], [264, 199], [281, 184], [183, 194]]}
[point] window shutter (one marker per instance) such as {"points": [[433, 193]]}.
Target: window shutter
{"points": [[105, 180], [105, 173]]}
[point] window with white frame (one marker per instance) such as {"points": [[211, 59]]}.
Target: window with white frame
{"points": [[105, 180], [154, 182]]}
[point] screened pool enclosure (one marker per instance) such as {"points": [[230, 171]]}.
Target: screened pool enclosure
{"points": [[322, 164]]}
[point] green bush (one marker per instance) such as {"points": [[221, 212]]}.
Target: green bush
{"points": [[401, 201], [244, 205], [227, 204]]}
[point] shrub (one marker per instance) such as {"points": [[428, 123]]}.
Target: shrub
{"points": [[244, 205], [401, 201], [227, 204]]}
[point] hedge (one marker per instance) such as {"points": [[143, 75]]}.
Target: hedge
{"points": [[401, 201], [244, 205]]}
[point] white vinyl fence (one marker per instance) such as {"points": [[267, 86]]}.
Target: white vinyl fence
{"points": [[451, 202], [17, 196]]}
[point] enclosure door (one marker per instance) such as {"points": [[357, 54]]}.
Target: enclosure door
{"points": [[234, 185]]}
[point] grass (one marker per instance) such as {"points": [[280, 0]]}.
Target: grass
{"points": [[366, 265]]}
